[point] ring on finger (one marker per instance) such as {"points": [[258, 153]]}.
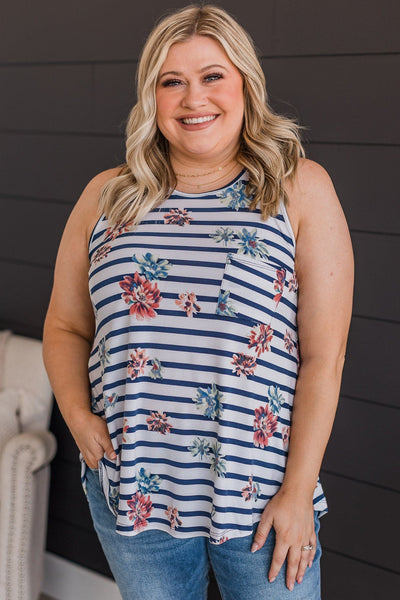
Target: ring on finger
{"points": [[307, 547]]}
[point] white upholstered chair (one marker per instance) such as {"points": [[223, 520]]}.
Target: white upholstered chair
{"points": [[26, 449]]}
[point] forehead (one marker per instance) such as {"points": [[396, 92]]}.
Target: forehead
{"points": [[196, 52]]}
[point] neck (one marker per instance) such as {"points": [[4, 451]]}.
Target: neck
{"points": [[197, 164]]}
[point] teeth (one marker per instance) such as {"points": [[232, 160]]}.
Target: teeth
{"points": [[199, 120]]}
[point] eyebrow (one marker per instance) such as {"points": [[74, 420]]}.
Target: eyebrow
{"points": [[200, 71]]}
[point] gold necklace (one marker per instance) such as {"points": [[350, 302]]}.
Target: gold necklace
{"points": [[212, 182], [201, 174]]}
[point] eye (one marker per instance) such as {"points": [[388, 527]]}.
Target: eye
{"points": [[214, 76], [171, 82]]}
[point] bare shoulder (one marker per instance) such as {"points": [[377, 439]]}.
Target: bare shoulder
{"points": [[85, 213], [311, 194]]}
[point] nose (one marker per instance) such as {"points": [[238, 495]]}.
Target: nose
{"points": [[194, 97]]}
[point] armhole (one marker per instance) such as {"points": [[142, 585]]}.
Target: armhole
{"points": [[287, 221], [94, 231]]}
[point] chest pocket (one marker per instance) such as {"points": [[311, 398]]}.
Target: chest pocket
{"points": [[251, 289]]}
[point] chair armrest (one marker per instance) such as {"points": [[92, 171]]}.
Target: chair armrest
{"points": [[24, 487], [31, 449]]}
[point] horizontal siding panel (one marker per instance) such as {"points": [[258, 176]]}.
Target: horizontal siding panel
{"points": [[93, 30], [335, 97], [42, 223], [344, 577], [115, 95], [366, 181], [377, 288], [77, 545], [278, 28], [364, 452], [25, 293], [59, 166], [46, 98], [362, 518], [371, 368], [336, 26]]}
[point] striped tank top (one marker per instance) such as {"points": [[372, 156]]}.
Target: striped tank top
{"points": [[194, 363]]}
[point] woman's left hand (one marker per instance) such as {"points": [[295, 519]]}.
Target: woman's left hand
{"points": [[293, 521]]}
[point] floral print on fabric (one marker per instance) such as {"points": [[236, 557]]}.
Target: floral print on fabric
{"points": [[209, 401], [260, 338], [244, 364], [113, 497], [137, 363], [288, 342], [251, 491], [141, 296], [141, 508], [101, 253], [279, 284], [293, 284], [104, 354], [265, 425], [151, 266], [218, 462], [251, 245], [158, 421], [112, 233], [285, 436], [97, 405], [275, 399], [202, 447], [234, 196], [219, 541], [225, 305], [173, 516], [156, 371], [110, 401], [188, 302], [147, 483], [125, 430], [223, 234], [178, 216]]}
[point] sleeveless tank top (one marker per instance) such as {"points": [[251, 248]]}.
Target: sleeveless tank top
{"points": [[194, 363]]}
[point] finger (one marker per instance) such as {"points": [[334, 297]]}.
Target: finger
{"points": [[304, 560], [261, 534], [293, 560], [108, 447], [313, 541], [278, 558]]}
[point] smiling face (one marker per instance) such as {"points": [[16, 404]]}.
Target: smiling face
{"points": [[200, 102]]}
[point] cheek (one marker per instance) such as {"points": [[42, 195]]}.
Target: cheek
{"points": [[164, 107]]}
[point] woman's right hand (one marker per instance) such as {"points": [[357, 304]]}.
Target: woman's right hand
{"points": [[92, 438]]}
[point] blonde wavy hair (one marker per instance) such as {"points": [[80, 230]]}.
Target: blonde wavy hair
{"points": [[270, 145]]}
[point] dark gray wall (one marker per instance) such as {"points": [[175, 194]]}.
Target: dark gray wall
{"points": [[67, 80]]}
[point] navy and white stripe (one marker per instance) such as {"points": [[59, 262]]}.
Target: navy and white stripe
{"points": [[226, 276]]}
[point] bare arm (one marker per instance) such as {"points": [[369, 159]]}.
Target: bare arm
{"points": [[69, 328], [324, 266]]}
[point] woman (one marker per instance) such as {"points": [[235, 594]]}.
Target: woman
{"points": [[214, 326]]}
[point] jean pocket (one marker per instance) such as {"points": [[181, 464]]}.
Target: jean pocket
{"points": [[93, 470], [251, 289]]}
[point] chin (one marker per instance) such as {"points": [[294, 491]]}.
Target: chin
{"points": [[201, 150]]}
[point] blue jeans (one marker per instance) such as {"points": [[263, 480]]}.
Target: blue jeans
{"points": [[154, 565]]}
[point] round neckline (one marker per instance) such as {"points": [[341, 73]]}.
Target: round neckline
{"points": [[202, 194]]}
